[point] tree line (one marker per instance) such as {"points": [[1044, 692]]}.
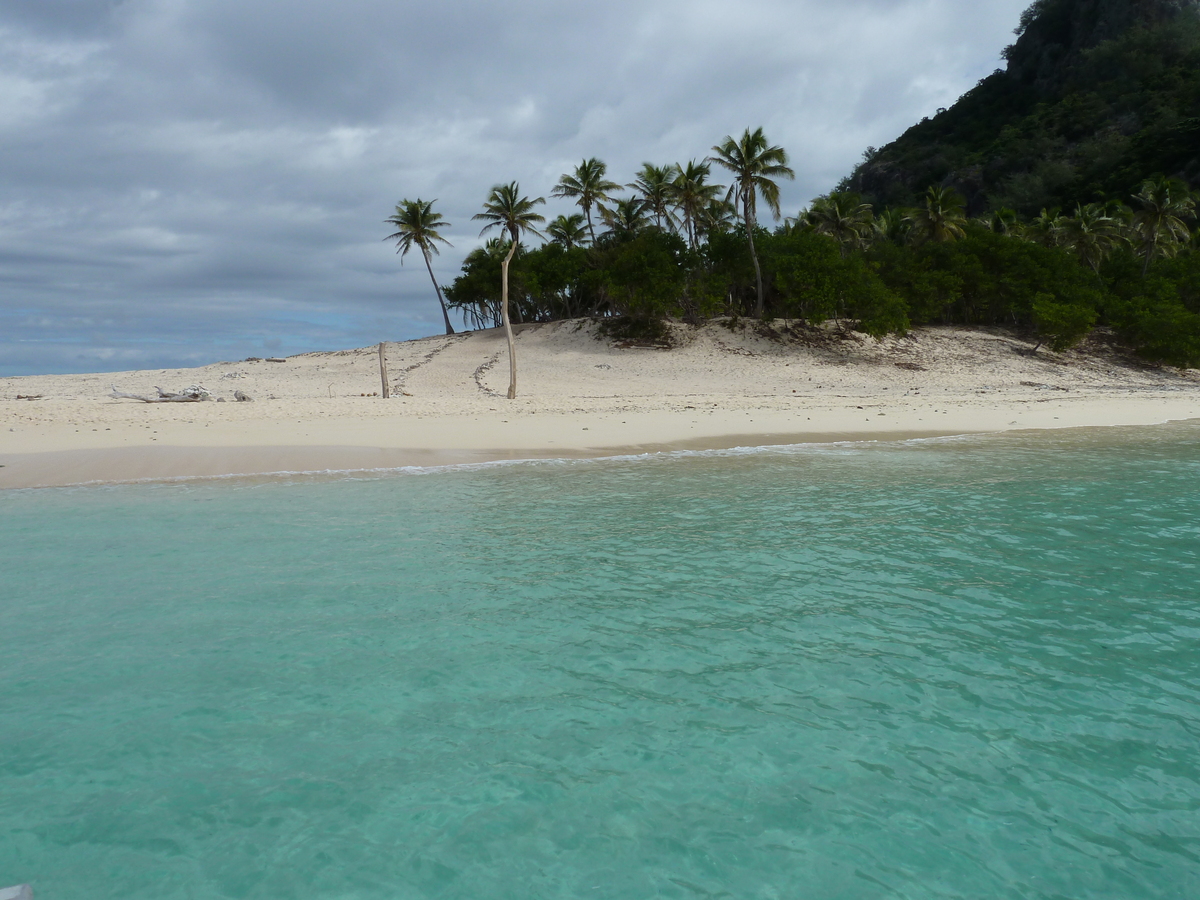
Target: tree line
{"points": [[675, 243]]}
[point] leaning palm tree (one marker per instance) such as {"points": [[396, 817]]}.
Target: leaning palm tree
{"points": [[656, 185], [755, 165], [417, 225], [942, 218], [692, 194], [567, 231], [587, 186], [507, 210], [844, 217], [1159, 225]]}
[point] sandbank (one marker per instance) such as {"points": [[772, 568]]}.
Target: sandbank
{"points": [[579, 395]]}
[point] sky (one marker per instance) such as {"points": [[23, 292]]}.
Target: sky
{"points": [[191, 181]]}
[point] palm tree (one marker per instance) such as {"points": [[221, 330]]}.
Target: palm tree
{"points": [[1158, 225], [625, 218], [507, 210], [587, 186], [1002, 221], [754, 164], [692, 195], [941, 219], [1046, 228], [567, 231], [718, 216], [656, 185], [417, 224], [1091, 234], [843, 217], [890, 225]]}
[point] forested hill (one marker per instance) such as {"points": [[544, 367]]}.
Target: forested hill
{"points": [[1097, 96]]}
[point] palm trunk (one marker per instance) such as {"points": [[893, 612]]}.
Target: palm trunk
{"points": [[592, 231], [758, 299], [1151, 247], [512, 350], [445, 315]]}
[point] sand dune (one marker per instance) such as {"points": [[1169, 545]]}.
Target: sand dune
{"points": [[579, 395]]}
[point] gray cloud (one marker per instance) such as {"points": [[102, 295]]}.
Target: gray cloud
{"points": [[191, 180]]}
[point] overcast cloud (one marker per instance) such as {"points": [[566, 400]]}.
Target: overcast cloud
{"points": [[186, 181]]}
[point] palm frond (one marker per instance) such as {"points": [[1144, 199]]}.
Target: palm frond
{"points": [[507, 210], [417, 225]]}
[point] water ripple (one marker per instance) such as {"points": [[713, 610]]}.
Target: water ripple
{"points": [[938, 669]]}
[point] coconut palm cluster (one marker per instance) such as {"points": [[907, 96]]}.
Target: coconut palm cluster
{"points": [[674, 199], [677, 242]]}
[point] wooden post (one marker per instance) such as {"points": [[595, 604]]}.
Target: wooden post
{"points": [[383, 372]]}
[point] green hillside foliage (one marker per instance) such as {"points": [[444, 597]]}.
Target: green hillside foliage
{"points": [[1097, 96]]}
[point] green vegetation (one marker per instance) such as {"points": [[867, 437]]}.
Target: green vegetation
{"points": [[1134, 269], [588, 187], [983, 240], [1097, 96]]}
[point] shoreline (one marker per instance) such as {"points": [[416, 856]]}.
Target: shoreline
{"points": [[95, 467], [580, 398], [134, 465]]}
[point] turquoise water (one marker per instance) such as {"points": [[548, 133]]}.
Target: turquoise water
{"points": [[963, 668]]}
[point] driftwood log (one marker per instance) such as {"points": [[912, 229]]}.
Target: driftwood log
{"points": [[193, 394]]}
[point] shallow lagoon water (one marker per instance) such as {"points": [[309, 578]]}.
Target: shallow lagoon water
{"points": [[951, 668]]}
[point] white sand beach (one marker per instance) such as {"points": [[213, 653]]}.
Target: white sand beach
{"points": [[579, 394]]}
